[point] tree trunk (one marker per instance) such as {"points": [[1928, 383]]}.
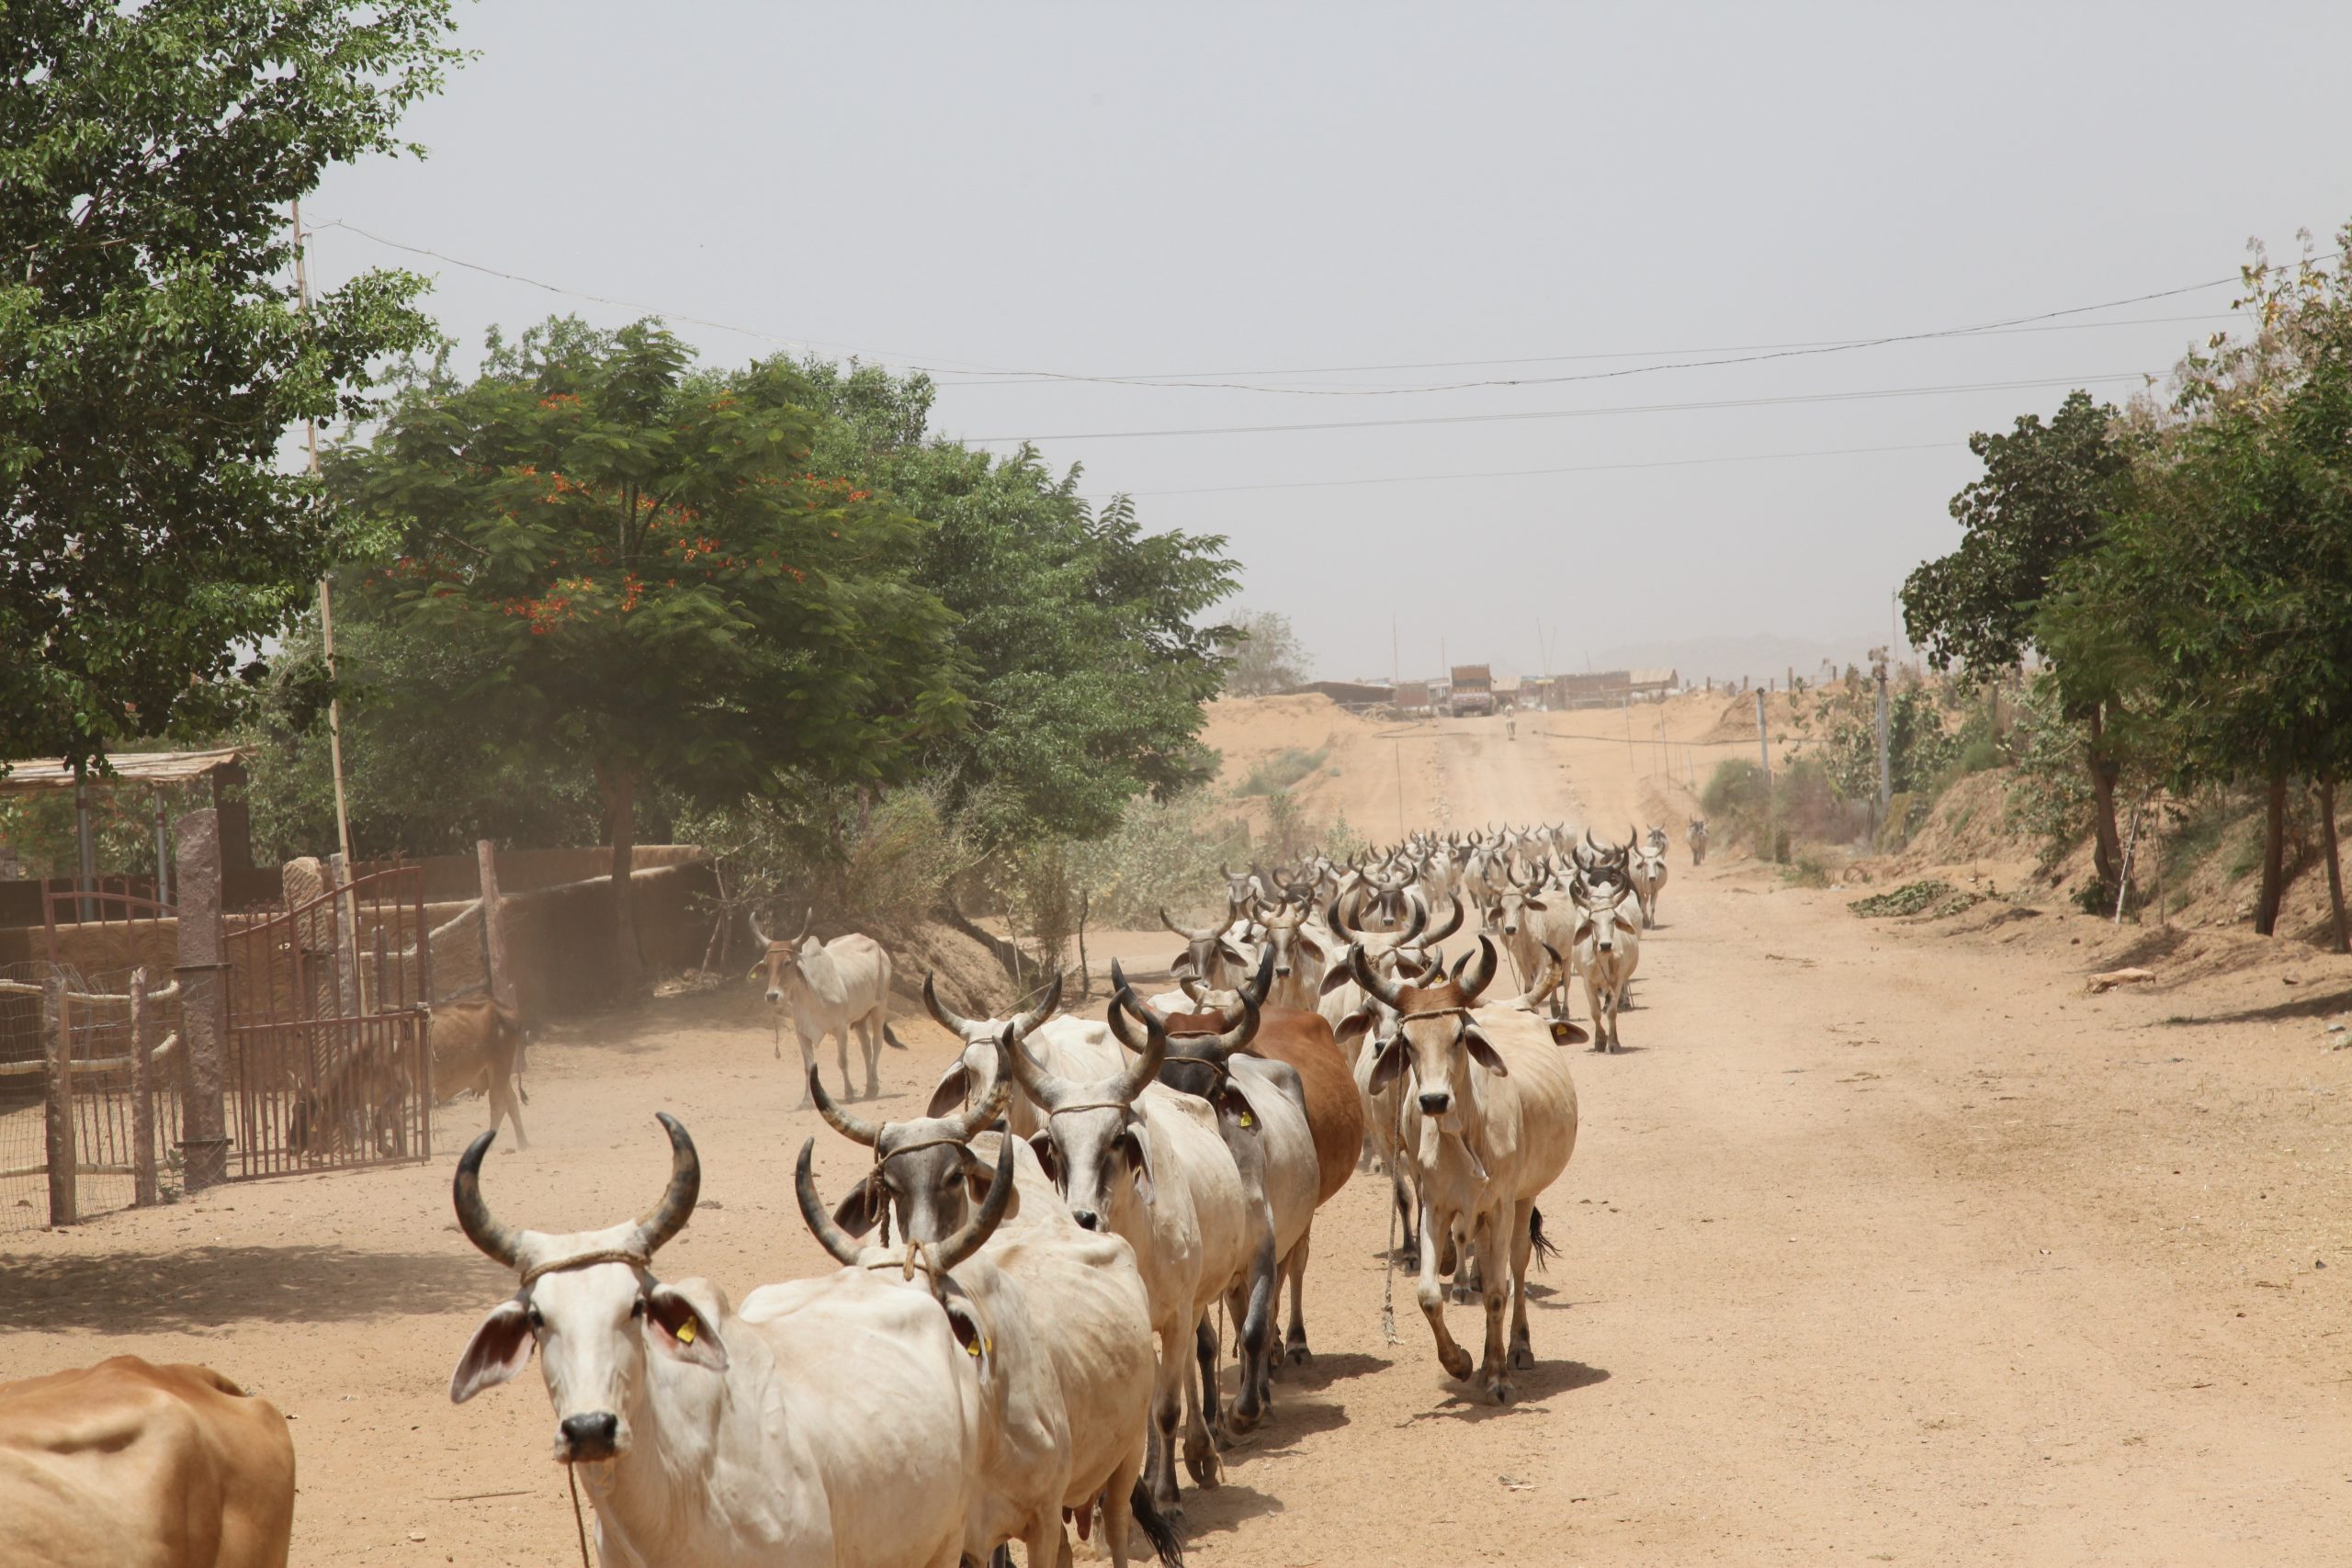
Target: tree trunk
{"points": [[2274, 857], [2343, 940], [2107, 844], [620, 787]]}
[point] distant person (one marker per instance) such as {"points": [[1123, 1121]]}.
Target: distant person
{"points": [[1510, 726]]}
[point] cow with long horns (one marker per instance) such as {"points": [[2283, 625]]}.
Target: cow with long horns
{"points": [[711, 1436], [1135, 1160], [833, 988], [1071, 1323], [1072, 1046], [1491, 1121]]}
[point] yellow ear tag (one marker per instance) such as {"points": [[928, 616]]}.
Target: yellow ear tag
{"points": [[685, 1335], [1246, 1122]]}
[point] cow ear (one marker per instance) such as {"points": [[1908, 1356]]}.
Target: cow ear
{"points": [[500, 1348], [951, 1092], [861, 1208], [978, 1176], [1232, 954], [1181, 965], [753, 973], [1537, 904], [1584, 932], [1387, 1061], [1482, 1050], [1567, 1034], [678, 1327], [1314, 949], [1042, 1144], [1356, 1023], [1339, 974], [1138, 1158], [1235, 1104], [965, 1324]]}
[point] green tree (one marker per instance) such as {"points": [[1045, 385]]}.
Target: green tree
{"points": [[635, 568], [1089, 663], [152, 352], [2225, 578], [2040, 504], [1267, 655]]}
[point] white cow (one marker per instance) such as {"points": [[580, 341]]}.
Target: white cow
{"points": [[1140, 1160], [741, 1440], [1608, 951], [1070, 1322], [1064, 1043], [1647, 867], [832, 988], [1490, 1123]]}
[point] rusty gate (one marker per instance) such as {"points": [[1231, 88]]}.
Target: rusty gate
{"points": [[328, 1062]]}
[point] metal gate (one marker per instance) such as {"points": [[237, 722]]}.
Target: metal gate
{"points": [[328, 1062]]}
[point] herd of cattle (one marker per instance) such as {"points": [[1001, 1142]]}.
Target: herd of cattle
{"points": [[1026, 1323]]}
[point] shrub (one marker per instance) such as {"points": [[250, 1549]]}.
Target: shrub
{"points": [[1281, 771]]}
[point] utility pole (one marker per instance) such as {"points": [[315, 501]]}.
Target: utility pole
{"points": [[1763, 738], [326, 603]]}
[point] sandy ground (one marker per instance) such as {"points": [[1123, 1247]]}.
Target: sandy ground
{"points": [[1884, 1242]]}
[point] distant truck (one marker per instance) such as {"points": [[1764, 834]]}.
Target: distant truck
{"points": [[1413, 698], [1473, 691]]}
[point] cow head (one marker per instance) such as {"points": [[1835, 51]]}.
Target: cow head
{"points": [[924, 1171], [1602, 921], [952, 1248], [1206, 953], [781, 963], [1434, 1040], [1289, 945], [977, 1071], [604, 1324], [1094, 1144], [1195, 1049], [1507, 912]]}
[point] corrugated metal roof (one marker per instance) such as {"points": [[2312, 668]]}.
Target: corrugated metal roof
{"points": [[1658, 677], [129, 767]]}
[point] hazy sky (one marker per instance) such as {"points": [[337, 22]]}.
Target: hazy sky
{"points": [[1350, 199]]}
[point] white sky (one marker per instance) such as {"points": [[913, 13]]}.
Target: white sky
{"points": [[1124, 191]]}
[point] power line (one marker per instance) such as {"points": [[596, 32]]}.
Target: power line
{"points": [[1577, 468], [1189, 378], [934, 365], [1874, 395]]}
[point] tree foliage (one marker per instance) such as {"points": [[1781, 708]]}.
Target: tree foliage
{"points": [[1088, 665], [634, 567], [152, 352], [1267, 655]]}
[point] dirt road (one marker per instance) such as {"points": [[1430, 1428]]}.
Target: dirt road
{"points": [[1881, 1243]]}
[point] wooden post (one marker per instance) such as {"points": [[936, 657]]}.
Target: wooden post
{"points": [[145, 1193], [204, 1001], [62, 1208], [493, 927]]}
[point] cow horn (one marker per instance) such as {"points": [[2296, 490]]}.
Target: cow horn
{"points": [[839, 1121], [998, 1097], [1389, 995], [1453, 924], [1043, 1087], [954, 1022], [1241, 1034], [830, 1237], [1255, 988], [1191, 985], [1546, 979], [1048, 1005], [808, 924], [668, 1217], [1124, 1085], [1410, 936], [1180, 930], [1116, 1016], [474, 1218], [1336, 920], [1482, 970], [757, 934], [976, 1231]]}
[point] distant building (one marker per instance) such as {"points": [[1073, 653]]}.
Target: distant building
{"points": [[1355, 695]]}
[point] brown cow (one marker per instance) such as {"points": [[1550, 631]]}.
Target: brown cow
{"points": [[129, 1462], [478, 1046]]}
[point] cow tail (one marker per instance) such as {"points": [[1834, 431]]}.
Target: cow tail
{"points": [[1155, 1528], [892, 1035], [1544, 1249]]}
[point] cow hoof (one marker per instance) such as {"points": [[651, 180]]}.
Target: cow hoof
{"points": [[806, 1104], [1299, 1354], [1205, 1468], [1522, 1358], [1465, 1294], [1500, 1388], [1457, 1364], [873, 1090]]}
